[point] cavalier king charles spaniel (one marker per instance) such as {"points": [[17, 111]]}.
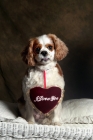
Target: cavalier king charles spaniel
{"points": [[41, 54]]}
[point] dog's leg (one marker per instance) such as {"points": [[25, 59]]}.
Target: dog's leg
{"points": [[25, 110], [57, 115], [29, 114], [21, 103]]}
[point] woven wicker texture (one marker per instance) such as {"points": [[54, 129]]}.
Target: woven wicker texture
{"points": [[71, 131]]}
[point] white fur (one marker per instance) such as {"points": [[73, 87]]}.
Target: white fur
{"points": [[35, 79], [44, 40]]}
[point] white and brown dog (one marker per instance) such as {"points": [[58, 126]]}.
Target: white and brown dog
{"points": [[42, 53]]}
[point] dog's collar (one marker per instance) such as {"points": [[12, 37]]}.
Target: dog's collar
{"points": [[46, 67]]}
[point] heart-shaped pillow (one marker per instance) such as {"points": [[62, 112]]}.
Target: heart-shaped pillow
{"points": [[45, 100]]}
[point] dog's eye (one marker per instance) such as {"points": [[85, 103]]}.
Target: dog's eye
{"points": [[37, 50], [50, 47]]}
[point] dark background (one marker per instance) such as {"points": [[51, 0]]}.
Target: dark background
{"points": [[70, 20]]}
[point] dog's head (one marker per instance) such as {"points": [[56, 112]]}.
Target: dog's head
{"points": [[44, 49]]}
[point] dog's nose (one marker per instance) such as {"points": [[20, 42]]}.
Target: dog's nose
{"points": [[44, 53]]}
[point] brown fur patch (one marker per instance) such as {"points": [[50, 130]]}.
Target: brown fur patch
{"points": [[52, 45], [27, 54], [36, 45], [60, 47], [59, 69]]}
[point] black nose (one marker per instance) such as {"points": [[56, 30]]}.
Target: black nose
{"points": [[44, 53]]}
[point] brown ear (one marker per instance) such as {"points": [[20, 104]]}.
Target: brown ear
{"points": [[60, 47], [27, 53]]}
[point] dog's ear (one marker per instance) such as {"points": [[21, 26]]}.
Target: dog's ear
{"points": [[61, 49], [27, 53]]}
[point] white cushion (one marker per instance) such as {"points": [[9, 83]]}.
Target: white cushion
{"points": [[8, 110], [77, 111], [74, 111], [9, 113]]}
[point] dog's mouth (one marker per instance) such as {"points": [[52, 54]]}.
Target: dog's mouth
{"points": [[44, 59]]}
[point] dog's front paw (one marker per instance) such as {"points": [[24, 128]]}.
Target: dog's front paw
{"points": [[46, 121], [56, 123], [31, 122]]}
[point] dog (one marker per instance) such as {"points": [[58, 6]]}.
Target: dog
{"points": [[41, 54]]}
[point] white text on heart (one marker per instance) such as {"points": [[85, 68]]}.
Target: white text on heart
{"points": [[42, 98]]}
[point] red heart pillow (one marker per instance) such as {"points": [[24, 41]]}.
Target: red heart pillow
{"points": [[45, 100]]}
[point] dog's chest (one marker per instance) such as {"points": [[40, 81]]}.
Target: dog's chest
{"points": [[36, 78]]}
